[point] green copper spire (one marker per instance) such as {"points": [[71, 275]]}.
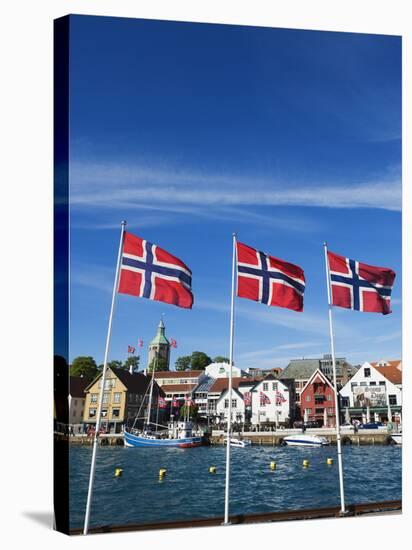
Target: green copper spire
{"points": [[160, 337]]}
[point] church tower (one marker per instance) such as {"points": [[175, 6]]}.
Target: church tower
{"points": [[159, 347]]}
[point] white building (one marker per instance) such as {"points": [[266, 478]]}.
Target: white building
{"points": [[238, 406], [371, 396], [221, 370], [272, 401]]}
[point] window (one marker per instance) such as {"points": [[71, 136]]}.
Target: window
{"points": [[274, 386], [367, 372], [116, 397], [234, 403], [75, 402], [226, 403], [297, 398], [93, 398], [106, 397], [372, 383], [330, 410], [392, 399], [309, 411], [318, 411], [307, 398], [329, 397], [382, 383], [265, 386], [116, 413], [319, 399], [363, 384], [353, 384], [92, 413], [345, 401], [104, 413]]}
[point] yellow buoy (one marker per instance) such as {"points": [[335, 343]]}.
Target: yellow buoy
{"points": [[305, 463], [162, 473], [212, 470], [329, 461], [118, 472], [272, 465]]}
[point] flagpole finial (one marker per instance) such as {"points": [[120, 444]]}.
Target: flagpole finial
{"points": [[123, 222], [325, 243]]}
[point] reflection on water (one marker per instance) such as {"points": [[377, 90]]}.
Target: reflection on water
{"points": [[372, 473]]}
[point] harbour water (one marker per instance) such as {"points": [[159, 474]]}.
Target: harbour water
{"points": [[372, 474]]}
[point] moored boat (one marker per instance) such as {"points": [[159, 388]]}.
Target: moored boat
{"points": [[179, 434], [304, 440], [235, 442], [397, 438]]}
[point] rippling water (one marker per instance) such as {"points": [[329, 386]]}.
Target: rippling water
{"points": [[372, 473]]}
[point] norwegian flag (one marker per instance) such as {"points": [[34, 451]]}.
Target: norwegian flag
{"points": [[161, 402], [359, 286], [280, 398], [173, 343], [269, 280], [264, 399], [247, 398], [131, 349], [140, 343], [150, 272]]}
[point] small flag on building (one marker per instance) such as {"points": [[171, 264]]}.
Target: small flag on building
{"points": [[131, 349], [280, 398], [148, 271], [161, 402], [359, 286], [247, 398], [173, 343], [140, 343], [268, 280], [264, 399]]}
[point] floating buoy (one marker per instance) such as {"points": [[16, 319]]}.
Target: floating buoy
{"points": [[272, 465], [329, 461], [305, 463], [118, 472], [162, 473], [212, 470]]}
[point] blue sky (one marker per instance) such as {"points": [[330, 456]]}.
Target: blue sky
{"points": [[193, 131]]}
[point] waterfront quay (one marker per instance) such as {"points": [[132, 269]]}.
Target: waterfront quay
{"points": [[271, 438]]}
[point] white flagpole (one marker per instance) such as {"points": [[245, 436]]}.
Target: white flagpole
{"points": [[332, 346], [103, 379], [229, 421]]}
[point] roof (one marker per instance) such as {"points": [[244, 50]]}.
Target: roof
{"points": [[321, 375], [77, 385], [223, 383], [178, 388], [205, 384], [178, 374], [300, 369], [392, 371], [135, 383]]}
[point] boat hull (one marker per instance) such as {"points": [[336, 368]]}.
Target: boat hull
{"points": [[132, 440], [305, 441], [397, 438]]}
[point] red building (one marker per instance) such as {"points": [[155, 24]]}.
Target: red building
{"points": [[317, 400]]}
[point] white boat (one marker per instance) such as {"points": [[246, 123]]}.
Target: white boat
{"points": [[304, 440], [235, 442], [397, 438]]}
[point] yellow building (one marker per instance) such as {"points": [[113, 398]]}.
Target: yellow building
{"points": [[124, 395]]}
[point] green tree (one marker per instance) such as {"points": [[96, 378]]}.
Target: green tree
{"points": [[84, 366], [192, 409], [115, 364], [132, 361], [199, 360], [183, 363], [220, 359], [159, 363]]}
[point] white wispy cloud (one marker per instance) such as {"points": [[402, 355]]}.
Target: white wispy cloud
{"points": [[125, 186]]}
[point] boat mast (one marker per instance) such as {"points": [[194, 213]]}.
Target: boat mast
{"points": [[151, 391]]}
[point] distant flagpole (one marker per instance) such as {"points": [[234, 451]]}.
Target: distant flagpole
{"points": [[103, 379], [332, 346], [229, 421]]}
